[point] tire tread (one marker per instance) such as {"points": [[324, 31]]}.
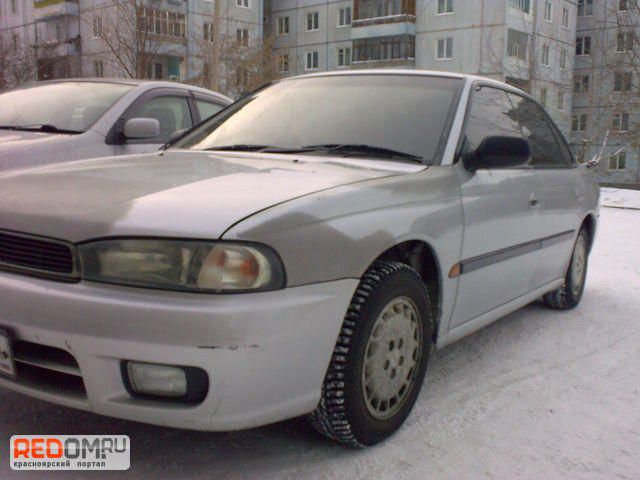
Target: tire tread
{"points": [[330, 417]]}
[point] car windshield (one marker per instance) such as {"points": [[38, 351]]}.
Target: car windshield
{"points": [[402, 117], [64, 106]]}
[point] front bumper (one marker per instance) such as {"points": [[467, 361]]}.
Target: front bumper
{"points": [[266, 354]]}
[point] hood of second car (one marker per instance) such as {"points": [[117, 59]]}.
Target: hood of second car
{"points": [[19, 149], [174, 193]]}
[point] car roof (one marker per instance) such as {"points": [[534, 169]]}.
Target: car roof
{"points": [[429, 73], [142, 84]]}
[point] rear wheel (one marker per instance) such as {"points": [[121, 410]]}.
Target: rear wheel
{"points": [[380, 359], [569, 295]]}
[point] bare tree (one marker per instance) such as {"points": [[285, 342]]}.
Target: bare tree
{"points": [[234, 64], [27, 64], [134, 33], [613, 79], [15, 69]]}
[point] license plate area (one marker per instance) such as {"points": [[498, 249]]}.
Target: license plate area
{"points": [[7, 365]]}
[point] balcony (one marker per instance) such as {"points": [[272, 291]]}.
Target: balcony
{"points": [[392, 51], [53, 48], [382, 18], [45, 10]]}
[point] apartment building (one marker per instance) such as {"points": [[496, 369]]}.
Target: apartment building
{"points": [[86, 38], [529, 43], [575, 56], [606, 98]]}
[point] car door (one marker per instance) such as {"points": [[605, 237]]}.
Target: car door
{"points": [[173, 110], [561, 196], [498, 257]]}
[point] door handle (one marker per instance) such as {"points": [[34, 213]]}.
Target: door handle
{"points": [[533, 200]]}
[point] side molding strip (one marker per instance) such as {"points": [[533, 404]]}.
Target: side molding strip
{"points": [[481, 261]]}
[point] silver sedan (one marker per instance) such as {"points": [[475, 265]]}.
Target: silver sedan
{"points": [[303, 252], [62, 120]]}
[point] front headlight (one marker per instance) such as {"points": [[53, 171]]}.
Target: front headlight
{"points": [[183, 265]]}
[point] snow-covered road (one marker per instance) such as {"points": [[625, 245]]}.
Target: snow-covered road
{"points": [[539, 394]]}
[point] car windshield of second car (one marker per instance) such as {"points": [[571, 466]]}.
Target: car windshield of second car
{"points": [[397, 117], [59, 107]]}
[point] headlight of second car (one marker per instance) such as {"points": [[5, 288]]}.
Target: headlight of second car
{"points": [[183, 265]]}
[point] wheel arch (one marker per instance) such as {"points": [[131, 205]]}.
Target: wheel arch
{"points": [[422, 257]]}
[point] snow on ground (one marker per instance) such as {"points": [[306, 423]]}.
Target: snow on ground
{"points": [[538, 394], [620, 198]]}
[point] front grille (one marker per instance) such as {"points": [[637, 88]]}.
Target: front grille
{"points": [[36, 255], [48, 369]]}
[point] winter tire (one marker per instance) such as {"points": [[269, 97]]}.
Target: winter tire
{"points": [[569, 295], [380, 358]]}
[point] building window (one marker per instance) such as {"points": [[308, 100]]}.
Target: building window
{"points": [[565, 17], [312, 62], [283, 63], [242, 3], [585, 8], [579, 122], [344, 57], [545, 55], [242, 37], [561, 101], [581, 84], [517, 44], [522, 5], [445, 6], [58, 32], [624, 42], [583, 46], [618, 161], [543, 97], [98, 69], [563, 59], [622, 81], [386, 8], [283, 25], [396, 47], [207, 31], [623, 5], [14, 6], [548, 11], [344, 17], [621, 122], [162, 22], [97, 27], [313, 21], [444, 50], [15, 40]]}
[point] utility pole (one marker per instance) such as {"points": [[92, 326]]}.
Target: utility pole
{"points": [[214, 81]]}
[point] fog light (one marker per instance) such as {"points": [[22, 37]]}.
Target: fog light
{"points": [[157, 380]]}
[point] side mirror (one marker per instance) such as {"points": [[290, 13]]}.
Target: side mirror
{"points": [[499, 152], [141, 128]]}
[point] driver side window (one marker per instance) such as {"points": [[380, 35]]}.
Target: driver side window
{"points": [[491, 114], [172, 113]]}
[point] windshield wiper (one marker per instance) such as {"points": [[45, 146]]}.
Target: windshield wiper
{"points": [[361, 149], [40, 127], [239, 148]]}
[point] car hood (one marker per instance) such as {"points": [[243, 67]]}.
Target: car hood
{"points": [[173, 193], [15, 145]]}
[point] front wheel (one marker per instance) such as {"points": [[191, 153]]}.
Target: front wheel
{"points": [[380, 359], [569, 295]]}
